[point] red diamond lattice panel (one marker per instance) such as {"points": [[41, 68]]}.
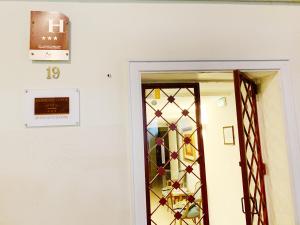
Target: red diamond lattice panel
{"points": [[253, 169], [174, 155]]}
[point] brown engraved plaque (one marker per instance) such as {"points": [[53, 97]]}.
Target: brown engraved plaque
{"points": [[51, 106], [49, 31], [49, 36]]}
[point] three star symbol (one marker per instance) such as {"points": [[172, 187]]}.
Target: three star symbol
{"points": [[49, 38]]}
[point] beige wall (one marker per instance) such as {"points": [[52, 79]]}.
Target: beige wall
{"points": [[274, 149], [81, 175], [224, 181]]}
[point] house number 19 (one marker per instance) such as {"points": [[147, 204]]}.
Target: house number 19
{"points": [[53, 72]]}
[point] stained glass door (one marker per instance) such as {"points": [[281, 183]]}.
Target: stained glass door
{"points": [[176, 190], [254, 203]]}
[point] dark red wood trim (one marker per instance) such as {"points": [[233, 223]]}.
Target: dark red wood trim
{"points": [[247, 78], [243, 162], [201, 160]]}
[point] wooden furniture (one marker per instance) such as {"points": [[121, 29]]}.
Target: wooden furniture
{"points": [[190, 210], [179, 194], [174, 195], [167, 195], [195, 215]]}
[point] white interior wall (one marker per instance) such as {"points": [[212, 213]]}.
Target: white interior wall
{"points": [[224, 182], [274, 149], [81, 175]]}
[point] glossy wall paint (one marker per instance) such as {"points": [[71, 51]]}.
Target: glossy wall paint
{"points": [[274, 150], [81, 175]]}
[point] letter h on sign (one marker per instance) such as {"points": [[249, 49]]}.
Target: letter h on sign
{"points": [[52, 25]]}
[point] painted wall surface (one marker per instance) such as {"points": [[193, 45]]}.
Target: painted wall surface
{"points": [[274, 149], [224, 181], [81, 175]]}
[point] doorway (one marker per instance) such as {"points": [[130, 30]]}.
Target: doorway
{"points": [[174, 157], [239, 203], [218, 127]]}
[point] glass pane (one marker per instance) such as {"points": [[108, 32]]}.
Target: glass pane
{"points": [[174, 182]]}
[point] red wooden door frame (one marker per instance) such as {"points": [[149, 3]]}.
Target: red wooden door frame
{"points": [[201, 159], [253, 168]]}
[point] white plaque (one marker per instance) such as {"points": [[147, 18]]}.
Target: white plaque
{"points": [[55, 107]]}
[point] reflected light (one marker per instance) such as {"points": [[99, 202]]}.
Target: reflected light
{"points": [[204, 116]]}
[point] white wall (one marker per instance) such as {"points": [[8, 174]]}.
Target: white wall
{"points": [[274, 149], [81, 175], [224, 181]]}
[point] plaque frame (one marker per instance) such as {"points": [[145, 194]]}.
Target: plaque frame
{"points": [[48, 120]]}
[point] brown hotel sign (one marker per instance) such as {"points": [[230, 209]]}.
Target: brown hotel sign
{"points": [[51, 106], [49, 36]]}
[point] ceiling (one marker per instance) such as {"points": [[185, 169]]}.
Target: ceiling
{"points": [[211, 83], [187, 77], [205, 1], [203, 76]]}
